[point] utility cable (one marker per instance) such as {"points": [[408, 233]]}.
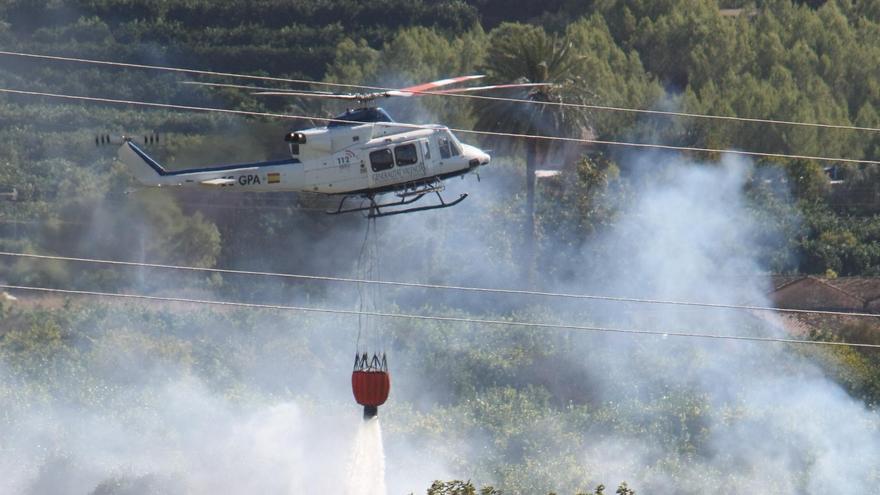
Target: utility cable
{"points": [[585, 106], [455, 319], [366, 281], [191, 204], [438, 93], [462, 131]]}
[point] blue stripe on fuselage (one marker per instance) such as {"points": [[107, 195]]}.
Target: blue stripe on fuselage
{"points": [[161, 170]]}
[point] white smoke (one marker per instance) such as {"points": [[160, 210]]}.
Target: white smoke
{"points": [[764, 419], [187, 440]]}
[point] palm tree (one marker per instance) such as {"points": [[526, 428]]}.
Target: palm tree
{"points": [[528, 54]]}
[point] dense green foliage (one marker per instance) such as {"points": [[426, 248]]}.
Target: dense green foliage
{"points": [[777, 59], [458, 487]]}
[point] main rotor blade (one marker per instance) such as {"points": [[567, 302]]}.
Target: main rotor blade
{"points": [[313, 94], [262, 90], [408, 91], [222, 85], [486, 88], [420, 88]]}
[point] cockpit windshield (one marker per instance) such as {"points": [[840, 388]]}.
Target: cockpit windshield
{"points": [[449, 146], [359, 115], [456, 144]]}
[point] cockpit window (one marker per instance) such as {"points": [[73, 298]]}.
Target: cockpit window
{"points": [[381, 160], [361, 115], [448, 147]]}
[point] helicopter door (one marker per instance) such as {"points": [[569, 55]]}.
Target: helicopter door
{"points": [[401, 164], [409, 160], [382, 167]]}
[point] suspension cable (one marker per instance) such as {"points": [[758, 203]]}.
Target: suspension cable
{"points": [[364, 280], [462, 131], [441, 93], [455, 319]]}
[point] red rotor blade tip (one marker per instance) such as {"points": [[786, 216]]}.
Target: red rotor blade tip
{"points": [[495, 86], [434, 84]]}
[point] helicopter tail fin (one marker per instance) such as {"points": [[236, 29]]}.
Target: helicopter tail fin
{"points": [[145, 169]]}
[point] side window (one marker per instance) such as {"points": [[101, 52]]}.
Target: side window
{"points": [[406, 154], [381, 160], [445, 147], [426, 147]]}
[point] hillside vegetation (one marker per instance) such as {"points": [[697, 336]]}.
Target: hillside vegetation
{"points": [[775, 60], [524, 410]]}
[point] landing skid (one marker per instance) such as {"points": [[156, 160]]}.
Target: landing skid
{"points": [[376, 209]]}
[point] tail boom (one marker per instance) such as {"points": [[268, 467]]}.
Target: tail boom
{"points": [[267, 175], [146, 170]]}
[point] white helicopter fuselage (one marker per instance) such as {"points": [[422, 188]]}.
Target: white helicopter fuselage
{"points": [[368, 158]]}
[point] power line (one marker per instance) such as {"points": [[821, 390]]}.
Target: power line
{"points": [[276, 206], [462, 131], [441, 93], [27, 221], [455, 319], [441, 287], [585, 106]]}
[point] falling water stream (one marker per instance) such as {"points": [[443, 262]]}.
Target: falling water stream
{"points": [[366, 470]]}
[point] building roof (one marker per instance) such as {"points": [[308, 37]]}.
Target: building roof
{"points": [[863, 290], [780, 281]]}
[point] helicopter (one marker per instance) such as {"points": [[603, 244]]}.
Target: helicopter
{"points": [[360, 154]]}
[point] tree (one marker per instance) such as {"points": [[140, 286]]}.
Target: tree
{"points": [[458, 487], [576, 206], [807, 178], [528, 54]]}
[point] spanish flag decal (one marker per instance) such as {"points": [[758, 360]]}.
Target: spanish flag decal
{"points": [[274, 177]]}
